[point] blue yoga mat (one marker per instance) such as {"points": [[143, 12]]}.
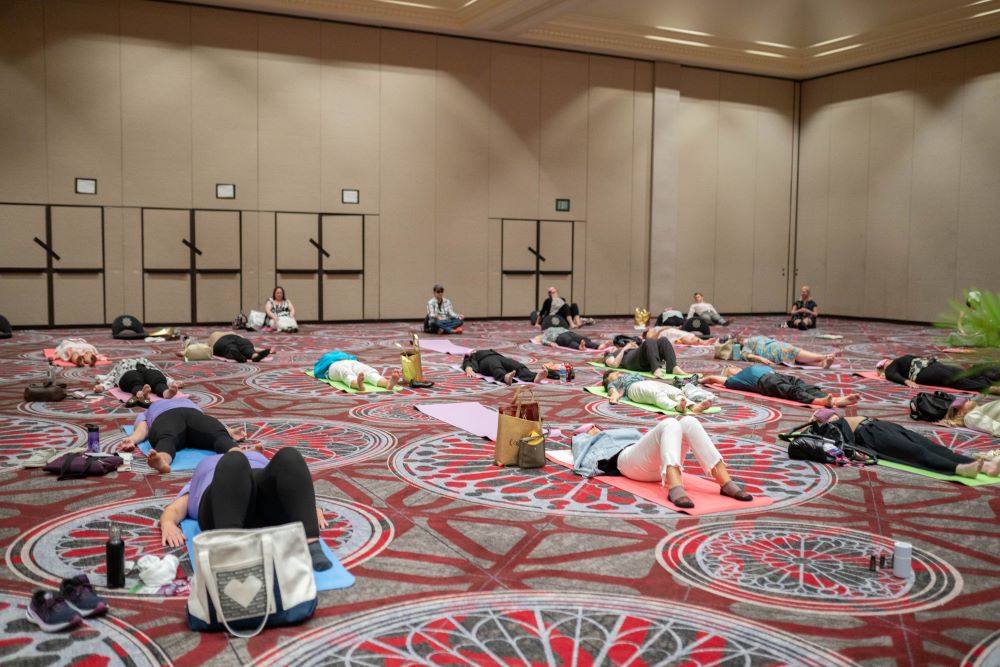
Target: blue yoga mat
{"points": [[186, 459], [327, 580]]}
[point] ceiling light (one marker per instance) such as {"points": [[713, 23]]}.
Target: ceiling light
{"points": [[832, 51], [774, 44], [408, 4], [977, 2], [831, 41], [683, 31], [992, 11], [470, 2], [766, 53], [674, 41]]}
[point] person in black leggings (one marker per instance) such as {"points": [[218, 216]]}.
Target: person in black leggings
{"points": [[232, 346], [499, 367], [140, 378], [914, 371], [245, 490], [556, 336], [653, 356]]}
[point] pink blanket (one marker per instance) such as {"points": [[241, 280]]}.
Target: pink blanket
{"points": [[444, 346], [124, 396], [50, 355]]}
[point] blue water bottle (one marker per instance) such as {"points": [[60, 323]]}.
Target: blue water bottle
{"points": [[736, 352]]}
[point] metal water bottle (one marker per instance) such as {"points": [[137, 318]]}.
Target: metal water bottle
{"points": [[114, 551], [93, 438]]}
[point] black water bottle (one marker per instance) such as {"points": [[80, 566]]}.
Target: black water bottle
{"points": [[114, 551]]}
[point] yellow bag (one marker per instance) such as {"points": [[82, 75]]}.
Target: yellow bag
{"points": [[410, 360], [641, 317], [197, 352], [510, 431]]}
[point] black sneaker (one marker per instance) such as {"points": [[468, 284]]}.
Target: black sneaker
{"points": [[80, 595], [50, 612]]}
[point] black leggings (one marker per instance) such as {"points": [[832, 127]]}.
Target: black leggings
{"points": [[789, 387], [568, 310], [497, 366], [244, 497], [649, 356], [696, 325], [132, 381], [904, 446], [938, 374], [572, 339], [187, 428], [233, 347], [803, 322]]}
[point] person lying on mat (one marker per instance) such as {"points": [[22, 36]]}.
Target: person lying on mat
{"points": [[965, 412], [640, 389], [501, 368], [677, 336], [441, 316], [804, 312], [763, 380], [228, 345], [914, 371], [653, 356], [764, 350], [556, 305], [706, 311], [562, 337], [140, 378], [346, 368], [244, 490], [77, 351], [174, 424], [901, 445], [656, 455]]}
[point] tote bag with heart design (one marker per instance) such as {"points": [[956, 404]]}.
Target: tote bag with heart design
{"points": [[246, 580]]}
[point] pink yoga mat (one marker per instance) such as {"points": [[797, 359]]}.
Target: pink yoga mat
{"points": [[124, 396], [491, 380], [756, 395], [50, 356], [444, 346], [873, 375], [216, 357], [472, 417], [804, 367], [704, 493]]}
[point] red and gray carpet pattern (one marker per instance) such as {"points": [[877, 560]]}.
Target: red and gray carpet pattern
{"points": [[459, 562]]}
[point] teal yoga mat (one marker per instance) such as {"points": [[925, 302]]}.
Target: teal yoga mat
{"points": [[186, 459]]}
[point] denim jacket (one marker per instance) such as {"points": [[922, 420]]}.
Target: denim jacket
{"points": [[589, 449]]}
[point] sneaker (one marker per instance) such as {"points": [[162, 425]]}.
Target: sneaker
{"points": [[50, 612], [39, 457], [80, 595]]}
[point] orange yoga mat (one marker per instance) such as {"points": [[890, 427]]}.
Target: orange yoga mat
{"points": [[756, 395]]}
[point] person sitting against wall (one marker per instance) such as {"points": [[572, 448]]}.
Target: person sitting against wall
{"points": [[764, 350], [556, 305], [652, 356], [140, 378], [78, 352], [640, 389], [175, 424], [656, 455], [280, 312], [804, 312], [346, 368], [441, 316], [560, 336], [914, 371], [245, 490], [705, 311], [495, 365], [764, 381]]}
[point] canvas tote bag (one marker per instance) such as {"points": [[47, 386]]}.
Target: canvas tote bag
{"points": [[514, 422], [245, 580]]}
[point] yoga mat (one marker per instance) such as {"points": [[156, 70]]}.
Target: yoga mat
{"points": [[981, 480], [337, 384], [216, 357], [327, 580], [491, 380], [599, 391], [873, 375], [666, 376], [186, 459], [124, 396], [444, 346], [958, 350], [816, 368], [766, 398], [50, 356], [702, 492], [829, 336], [472, 417]]}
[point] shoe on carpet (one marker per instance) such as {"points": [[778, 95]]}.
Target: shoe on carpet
{"points": [[257, 356], [80, 595], [50, 612], [39, 458]]}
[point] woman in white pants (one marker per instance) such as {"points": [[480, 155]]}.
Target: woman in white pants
{"points": [[639, 389], [656, 455], [355, 374]]}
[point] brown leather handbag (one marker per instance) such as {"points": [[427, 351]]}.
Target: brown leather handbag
{"points": [[45, 392]]}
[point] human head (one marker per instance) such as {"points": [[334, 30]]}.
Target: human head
{"points": [[609, 377], [805, 292], [957, 411], [730, 371], [824, 415], [880, 366], [553, 291], [698, 297], [278, 294], [439, 292]]}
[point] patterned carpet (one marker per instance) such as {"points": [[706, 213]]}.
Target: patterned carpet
{"points": [[459, 562]]}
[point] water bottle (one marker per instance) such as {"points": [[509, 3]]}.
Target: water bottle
{"points": [[93, 438], [114, 553], [736, 352]]}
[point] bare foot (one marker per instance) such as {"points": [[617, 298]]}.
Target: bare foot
{"points": [[605, 345], [392, 379], [682, 405], [173, 389], [970, 470], [143, 394], [844, 401], [658, 373], [701, 407], [359, 384], [238, 433], [158, 462], [541, 375], [583, 345], [991, 467], [828, 360], [509, 377]]}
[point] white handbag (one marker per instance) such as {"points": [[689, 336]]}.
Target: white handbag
{"points": [[245, 580], [256, 319], [287, 323]]}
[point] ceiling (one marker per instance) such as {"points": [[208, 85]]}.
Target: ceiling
{"points": [[795, 39]]}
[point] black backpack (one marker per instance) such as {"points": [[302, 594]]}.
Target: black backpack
{"points": [[824, 443], [928, 407], [621, 340]]}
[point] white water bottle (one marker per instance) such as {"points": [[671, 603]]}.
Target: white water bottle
{"points": [[902, 560]]}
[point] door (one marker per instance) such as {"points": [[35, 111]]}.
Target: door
{"points": [[296, 263], [217, 264], [24, 299], [166, 266], [77, 243], [537, 254], [343, 282]]}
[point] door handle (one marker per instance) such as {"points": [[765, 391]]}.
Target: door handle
{"points": [[320, 248], [190, 245], [47, 249], [535, 253]]}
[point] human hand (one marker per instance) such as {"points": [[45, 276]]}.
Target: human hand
{"points": [[630, 345], [911, 384], [126, 445], [323, 523], [171, 534]]}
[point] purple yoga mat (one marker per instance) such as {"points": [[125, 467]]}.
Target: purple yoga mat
{"points": [[472, 417], [444, 346]]}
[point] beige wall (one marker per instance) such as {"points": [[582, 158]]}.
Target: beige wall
{"points": [[900, 184]]}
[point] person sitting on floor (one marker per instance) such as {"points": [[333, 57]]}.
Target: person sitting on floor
{"points": [[653, 356], [901, 445], [346, 368], [763, 380], [764, 350], [174, 424], [706, 311], [78, 352], [914, 371], [556, 305], [280, 312], [640, 389], [441, 317], [804, 312], [140, 378], [556, 336], [244, 490], [504, 369], [654, 456], [677, 336]]}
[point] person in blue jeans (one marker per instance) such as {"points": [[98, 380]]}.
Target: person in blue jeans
{"points": [[763, 380], [441, 317]]}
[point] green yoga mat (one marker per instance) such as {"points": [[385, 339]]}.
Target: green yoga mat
{"points": [[666, 376], [337, 384], [599, 391], [981, 480]]}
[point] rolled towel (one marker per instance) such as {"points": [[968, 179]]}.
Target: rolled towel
{"points": [[155, 571]]}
